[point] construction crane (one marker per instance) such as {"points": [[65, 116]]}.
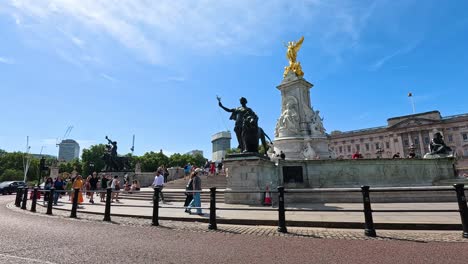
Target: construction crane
{"points": [[67, 133]]}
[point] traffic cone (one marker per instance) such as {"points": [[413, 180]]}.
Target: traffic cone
{"points": [[267, 196]]}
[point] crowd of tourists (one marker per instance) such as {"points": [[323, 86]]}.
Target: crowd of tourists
{"points": [[90, 187]]}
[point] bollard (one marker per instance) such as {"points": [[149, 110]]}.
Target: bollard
{"points": [[51, 201], [74, 204], [107, 211], [369, 222], [25, 198], [156, 206], [212, 224], [34, 200], [461, 198], [19, 191], [281, 211]]}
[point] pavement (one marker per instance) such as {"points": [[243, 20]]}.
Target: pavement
{"points": [[28, 237], [331, 217]]}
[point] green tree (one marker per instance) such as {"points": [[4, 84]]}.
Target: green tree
{"points": [[233, 150], [150, 161], [11, 175], [91, 159], [197, 160]]}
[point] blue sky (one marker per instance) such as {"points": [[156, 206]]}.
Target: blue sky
{"points": [[154, 68]]}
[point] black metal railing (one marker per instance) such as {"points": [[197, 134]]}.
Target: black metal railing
{"points": [[369, 227]]}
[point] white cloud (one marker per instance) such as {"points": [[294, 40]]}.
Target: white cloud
{"points": [[382, 61], [156, 30], [6, 60], [108, 77]]}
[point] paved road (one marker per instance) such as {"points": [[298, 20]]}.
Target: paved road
{"points": [[28, 238]]}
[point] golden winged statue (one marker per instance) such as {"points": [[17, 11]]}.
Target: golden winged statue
{"points": [[291, 55]]}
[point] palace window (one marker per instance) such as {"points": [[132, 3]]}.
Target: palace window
{"points": [[450, 138], [358, 148], [341, 149], [349, 148], [387, 144], [416, 141], [377, 146], [367, 146], [426, 140], [395, 140], [406, 142], [465, 136]]}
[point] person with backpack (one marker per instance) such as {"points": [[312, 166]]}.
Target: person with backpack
{"points": [[196, 195], [188, 192]]}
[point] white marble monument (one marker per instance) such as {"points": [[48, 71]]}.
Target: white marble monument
{"points": [[299, 132]]}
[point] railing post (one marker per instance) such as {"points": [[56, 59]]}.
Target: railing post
{"points": [[156, 206], [75, 203], [107, 211], [19, 191], [25, 198], [34, 200], [281, 211], [213, 225], [369, 222], [460, 189], [51, 200]]}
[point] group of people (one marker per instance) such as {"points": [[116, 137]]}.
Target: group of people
{"points": [[89, 186], [210, 168]]}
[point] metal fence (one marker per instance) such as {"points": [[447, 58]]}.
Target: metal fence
{"points": [[369, 228]]}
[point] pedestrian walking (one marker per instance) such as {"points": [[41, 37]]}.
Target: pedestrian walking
{"points": [[104, 181], [59, 186], [159, 182], [78, 184], [189, 193], [115, 185], [93, 186], [196, 195]]}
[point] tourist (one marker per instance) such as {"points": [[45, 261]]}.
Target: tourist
{"points": [[282, 155], [206, 167], [93, 186], [165, 173], [187, 170], [115, 185], [104, 181], [159, 182], [396, 155], [87, 186], [135, 186], [47, 186], [78, 184], [189, 193], [219, 168], [196, 195], [212, 168], [356, 155], [59, 186]]}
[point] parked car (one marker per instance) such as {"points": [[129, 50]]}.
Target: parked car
{"points": [[8, 187]]}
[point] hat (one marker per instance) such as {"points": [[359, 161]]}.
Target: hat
{"points": [[198, 170]]}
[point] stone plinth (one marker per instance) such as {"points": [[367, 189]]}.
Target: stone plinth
{"points": [[249, 173], [299, 130]]}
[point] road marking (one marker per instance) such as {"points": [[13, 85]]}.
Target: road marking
{"points": [[29, 259]]}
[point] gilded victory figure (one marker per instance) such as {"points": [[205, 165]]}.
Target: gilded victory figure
{"points": [[291, 55]]}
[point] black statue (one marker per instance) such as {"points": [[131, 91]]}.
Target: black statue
{"points": [[246, 126], [112, 161], [438, 146]]}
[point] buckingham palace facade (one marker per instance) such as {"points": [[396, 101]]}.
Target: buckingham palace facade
{"points": [[403, 134]]}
